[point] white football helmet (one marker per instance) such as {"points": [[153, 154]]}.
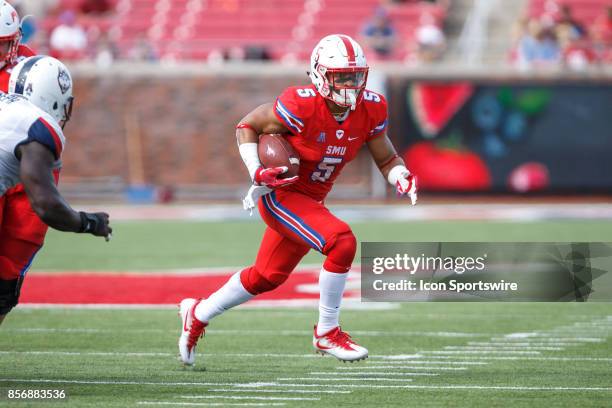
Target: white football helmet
{"points": [[10, 33], [339, 70], [47, 83]]}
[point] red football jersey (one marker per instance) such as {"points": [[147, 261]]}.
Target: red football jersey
{"points": [[5, 73], [323, 144]]}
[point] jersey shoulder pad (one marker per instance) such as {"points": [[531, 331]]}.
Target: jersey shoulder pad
{"points": [[44, 130], [374, 101], [23, 51], [294, 106], [376, 106]]}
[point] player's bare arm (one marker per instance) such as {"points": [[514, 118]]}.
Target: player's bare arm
{"points": [[392, 166], [260, 120], [36, 164], [384, 154]]}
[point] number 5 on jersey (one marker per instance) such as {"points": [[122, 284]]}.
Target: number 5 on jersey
{"points": [[325, 168]]}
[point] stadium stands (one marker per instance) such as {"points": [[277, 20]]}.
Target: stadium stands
{"points": [[277, 29], [580, 28]]}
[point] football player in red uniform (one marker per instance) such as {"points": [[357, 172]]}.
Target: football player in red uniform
{"points": [[22, 232], [326, 123]]}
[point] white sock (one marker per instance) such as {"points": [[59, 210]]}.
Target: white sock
{"points": [[229, 295], [331, 288]]}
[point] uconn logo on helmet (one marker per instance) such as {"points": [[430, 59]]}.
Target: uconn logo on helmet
{"points": [[64, 80]]}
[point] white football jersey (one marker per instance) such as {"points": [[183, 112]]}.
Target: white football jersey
{"points": [[21, 122]]}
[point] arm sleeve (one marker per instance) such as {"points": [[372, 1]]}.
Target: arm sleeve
{"points": [[380, 119], [286, 109], [42, 132]]}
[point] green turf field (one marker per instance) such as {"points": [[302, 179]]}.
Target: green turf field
{"points": [[422, 354], [159, 245]]}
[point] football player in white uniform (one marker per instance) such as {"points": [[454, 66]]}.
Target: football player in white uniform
{"points": [[32, 116]]}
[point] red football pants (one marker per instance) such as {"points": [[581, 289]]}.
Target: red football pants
{"points": [[22, 233], [296, 223]]}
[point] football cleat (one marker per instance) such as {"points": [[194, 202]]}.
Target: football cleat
{"points": [[192, 330], [338, 344]]}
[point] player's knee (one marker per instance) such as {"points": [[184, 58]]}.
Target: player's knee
{"points": [[341, 254], [256, 282], [9, 295]]}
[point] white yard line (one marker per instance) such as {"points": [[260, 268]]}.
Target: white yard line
{"points": [[344, 379], [368, 386], [491, 358], [241, 385], [485, 348], [419, 360], [550, 340], [479, 352], [257, 398], [503, 387], [524, 344], [215, 404], [114, 382], [280, 391], [234, 332], [89, 353], [128, 354], [401, 367], [383, 374]]}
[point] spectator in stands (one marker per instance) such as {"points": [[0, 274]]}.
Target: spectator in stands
{"points": [[430, 39], [568, 22], [68, 40], [379, 35], [106, 51], [578, 55], [602, 35], [143, 50], [538, 47]]}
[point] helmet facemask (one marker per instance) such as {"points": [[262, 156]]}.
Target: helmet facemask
{"points": [[8, 53], [67, 112], [346, 85]]}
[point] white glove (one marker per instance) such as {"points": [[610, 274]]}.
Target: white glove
{"points": [[252, 197], [404, 182]]}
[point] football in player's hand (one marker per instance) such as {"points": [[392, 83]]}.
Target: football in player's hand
{"points": [[275, 151]]}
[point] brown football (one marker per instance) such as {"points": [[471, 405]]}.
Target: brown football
{"points": [[275, 151]]}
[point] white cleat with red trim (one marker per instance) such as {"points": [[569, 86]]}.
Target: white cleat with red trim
{"points": [[192, 330], [338, 344]]}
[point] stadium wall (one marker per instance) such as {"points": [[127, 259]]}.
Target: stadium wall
{"points": [[174, 125]]}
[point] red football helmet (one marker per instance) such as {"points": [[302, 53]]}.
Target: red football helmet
{"points": [[10, 33]]}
